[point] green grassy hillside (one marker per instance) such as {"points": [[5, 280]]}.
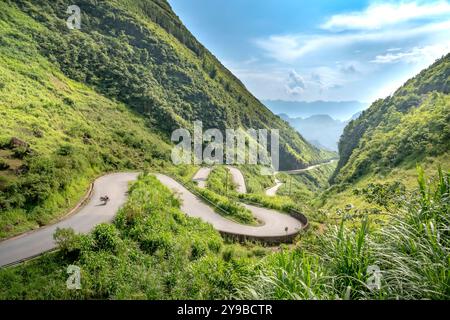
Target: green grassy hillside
{"points": [[76, 104], [138, 52], [412, 126], [67, 132]]}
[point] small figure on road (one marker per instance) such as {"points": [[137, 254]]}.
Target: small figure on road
{"points": [[104, 199]]}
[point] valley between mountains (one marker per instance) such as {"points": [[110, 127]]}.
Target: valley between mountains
{"points": [[100, 104]]}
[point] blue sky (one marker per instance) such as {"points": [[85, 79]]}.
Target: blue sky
{"points": [[320, 50]]}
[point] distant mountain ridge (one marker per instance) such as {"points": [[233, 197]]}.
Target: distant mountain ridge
{"points": [[321, 130], [340, 110]]}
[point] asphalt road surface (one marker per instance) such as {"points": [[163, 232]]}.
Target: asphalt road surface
{"points": [[93, 213], [238, 179], [201, 176], [272, 192], [274, 224], [115, 186]]}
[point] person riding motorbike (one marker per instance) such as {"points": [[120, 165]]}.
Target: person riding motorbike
{"points": [[105, 199]]}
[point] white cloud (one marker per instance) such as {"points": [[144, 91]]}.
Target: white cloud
{"points": [[331, 78], [355, 55], [415, 55], [289, 48], [296, 83], [348, 69], [380, 15]]}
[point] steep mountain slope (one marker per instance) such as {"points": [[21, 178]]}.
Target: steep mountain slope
{"points": [[402, 130], [138, 52], [56, 133]]}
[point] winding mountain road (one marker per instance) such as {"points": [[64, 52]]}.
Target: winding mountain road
{"points": [[272, 192], [274, 223], [308, 168], [201, 176], [238, 179], [93, 213]]}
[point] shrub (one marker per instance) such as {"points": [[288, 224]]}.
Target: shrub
{"points": [[153, 242], [215, 245], [65, 150], [228, 207], [411, 253], [106, 237], [347, 255], [198, 249], [68, 243], [20, 152], [3, 164]]}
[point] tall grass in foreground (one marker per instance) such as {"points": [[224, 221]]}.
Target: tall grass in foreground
{"points": [[412, 253], [414, 250], [287, 275]]}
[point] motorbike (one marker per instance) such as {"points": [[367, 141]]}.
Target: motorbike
{"points": [[104, 199]]}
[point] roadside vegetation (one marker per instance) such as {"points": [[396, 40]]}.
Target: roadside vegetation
{"points": [[221, 181], [220, 190], [305, 185], [254, 180], [283, 204], [215, 194], [412, 254], [59, 136], [74, 105], [228, 207]]}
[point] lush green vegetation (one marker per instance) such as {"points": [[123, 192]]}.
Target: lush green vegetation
{"points": [[304, 185], [379, 151], [254, 180], [411, 253], [78, 103], [138, 52], [284, 204], [152, 251], [221, 181], [215, 194], [182, 172], [407, 128], [64, 133], [227, 207]]}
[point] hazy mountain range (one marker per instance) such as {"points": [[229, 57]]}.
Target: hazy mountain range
{"points": [[321, 130], [340, 110]]}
